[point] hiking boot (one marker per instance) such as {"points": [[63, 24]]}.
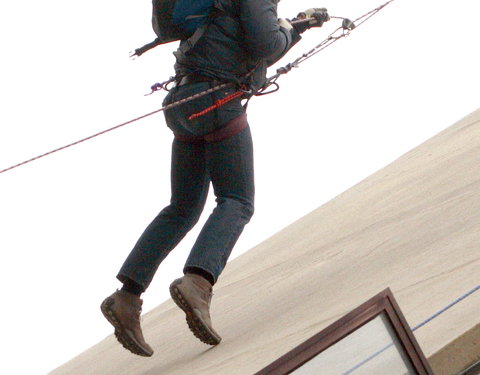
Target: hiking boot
{"points": [[192, 293], [123, 311]]}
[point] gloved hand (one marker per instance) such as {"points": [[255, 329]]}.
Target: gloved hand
{"points": [[313, 17], [316, 16], [286, 24]]}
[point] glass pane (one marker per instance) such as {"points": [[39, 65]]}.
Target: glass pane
{"points": [[373, 349]]}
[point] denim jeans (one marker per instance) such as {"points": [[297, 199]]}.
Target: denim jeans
{"points": [[228, 165]]}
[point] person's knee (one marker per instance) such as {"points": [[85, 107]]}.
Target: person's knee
{"points": [[188, 212], [245, 208]]}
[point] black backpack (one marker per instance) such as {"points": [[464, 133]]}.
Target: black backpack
{"points": [[180, 20]]}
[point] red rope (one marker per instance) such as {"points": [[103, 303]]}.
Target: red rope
{"points": [[172, 105], [218, 104]]}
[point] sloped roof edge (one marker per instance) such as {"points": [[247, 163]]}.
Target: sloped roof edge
{"points": [[413, 226]]}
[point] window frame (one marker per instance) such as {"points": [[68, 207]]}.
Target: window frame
{"points": [[382, 303]]}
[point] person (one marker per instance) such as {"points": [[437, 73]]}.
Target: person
{"points": [[213, 147]]}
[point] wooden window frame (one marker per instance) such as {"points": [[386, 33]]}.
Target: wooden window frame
{"points": [[382, 303]]}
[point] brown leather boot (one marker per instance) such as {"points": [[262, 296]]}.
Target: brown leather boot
{"points": [[123, 311], [192, 293]]}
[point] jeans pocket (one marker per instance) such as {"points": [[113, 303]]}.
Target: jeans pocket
{"points": [[179, 118]]}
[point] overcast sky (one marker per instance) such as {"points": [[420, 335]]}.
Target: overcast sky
{"points": [[68, 221]]}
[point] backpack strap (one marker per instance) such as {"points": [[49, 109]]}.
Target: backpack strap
{"points": [[140, 51], [188, 44]]}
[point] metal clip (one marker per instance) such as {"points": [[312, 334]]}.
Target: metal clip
{"points": [[348, 24], [246, 90], [160, 86]]}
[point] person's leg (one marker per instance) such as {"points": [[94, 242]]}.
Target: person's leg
{"points": [[230, 164], [189, 191], [190, 183]]}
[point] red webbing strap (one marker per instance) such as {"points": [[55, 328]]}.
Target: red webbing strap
{"points": [[218, 104], [231, 128]]}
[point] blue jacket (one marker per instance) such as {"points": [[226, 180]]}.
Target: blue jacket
{"points": [[246, 36]]}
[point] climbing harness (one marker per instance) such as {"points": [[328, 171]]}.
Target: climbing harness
{"points": [[341, 32], [347, 26]]}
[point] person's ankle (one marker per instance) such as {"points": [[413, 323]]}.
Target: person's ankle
{"points": [[132, 287], [201, 272]]}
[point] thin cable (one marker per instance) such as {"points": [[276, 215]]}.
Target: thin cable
{"points": [[440, 312], [368, 359]]}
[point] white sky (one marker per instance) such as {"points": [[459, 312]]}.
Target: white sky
{"points": [[68, 221]]}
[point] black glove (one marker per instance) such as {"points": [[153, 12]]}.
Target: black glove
{"points": [[313, 17]]}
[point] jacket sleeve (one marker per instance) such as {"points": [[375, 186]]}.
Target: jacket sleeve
{"points": [[264, 38]]}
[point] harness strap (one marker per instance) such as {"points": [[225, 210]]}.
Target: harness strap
{"points": [[188, 44], [231, 128], [147, 47]]}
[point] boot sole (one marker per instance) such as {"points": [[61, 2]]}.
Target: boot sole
{"points": [[199, 329], [122, 336]]}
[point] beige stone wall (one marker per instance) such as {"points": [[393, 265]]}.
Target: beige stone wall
{"points": [[414, 226]]}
